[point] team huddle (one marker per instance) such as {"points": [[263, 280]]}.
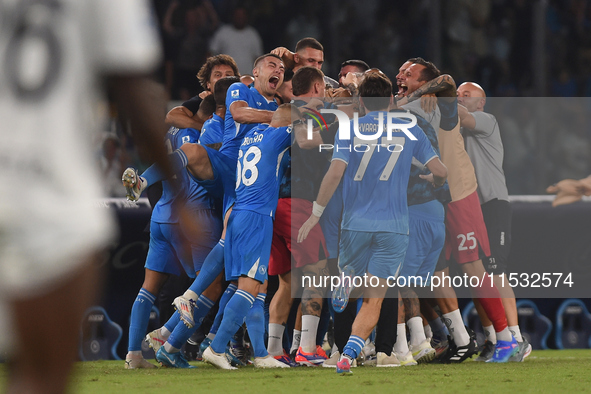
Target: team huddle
{"points": [[270, 181]]}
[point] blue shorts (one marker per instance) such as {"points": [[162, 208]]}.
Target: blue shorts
{"points": [[378, 253], [223, 184], [427, 237], [203, 229], [248, 245], [330, 222], [168, 252]]}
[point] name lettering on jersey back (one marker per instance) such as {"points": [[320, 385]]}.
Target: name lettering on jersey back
{"points": [[403, 123], [258, 137]]}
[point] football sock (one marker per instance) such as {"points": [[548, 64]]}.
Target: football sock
{"points": [[255, 323], [230, 290], [234, 315], [323, 323], [504, 335], [211, 335], [417, 332], [401, 345], [516, 333], [490, 299], [213, 265], [170, 349], [386, 334], [309, 328], [275, 346], [342, 325], [456, 327], [353, 347], [428, 331], [489, 332], [295, 343], [178, 161], [181, 332], [140, 316], [170, 324], [439, 328]]}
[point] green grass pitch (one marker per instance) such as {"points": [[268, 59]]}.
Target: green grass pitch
{"points": [[546, 371]]}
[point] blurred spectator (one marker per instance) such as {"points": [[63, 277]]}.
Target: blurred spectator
{"points": [[239, 40], [112, 162], [188, 26]]}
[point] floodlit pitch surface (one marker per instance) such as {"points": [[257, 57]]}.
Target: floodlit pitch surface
{"points": [[547, 371]]}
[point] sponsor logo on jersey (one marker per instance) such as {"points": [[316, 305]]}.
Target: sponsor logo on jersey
{"points": [[234, 93]]}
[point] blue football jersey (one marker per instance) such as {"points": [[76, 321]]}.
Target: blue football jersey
{"points": [[261, 164], [376, 179], [212, 131], [234, 132], [419, 190], [189, 190]]}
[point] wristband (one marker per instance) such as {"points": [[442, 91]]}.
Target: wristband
{"points": [[317, 210]]}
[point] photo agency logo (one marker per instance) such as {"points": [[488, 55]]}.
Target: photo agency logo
{"points": [[367, 135]]}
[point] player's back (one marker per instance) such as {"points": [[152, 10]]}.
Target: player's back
{"points": [[234, 132], [376, 179], [212, 131], [261, 164], [460, 171]]}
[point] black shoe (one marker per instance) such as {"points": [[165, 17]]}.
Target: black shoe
{"points": [[487, 351], [457, 354]]}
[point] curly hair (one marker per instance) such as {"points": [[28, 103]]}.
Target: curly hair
{"points": [[204, 73]]}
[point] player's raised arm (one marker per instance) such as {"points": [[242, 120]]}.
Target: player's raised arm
{"points": [[442, 86], [242, 113], [330, 182], [182, 118]]}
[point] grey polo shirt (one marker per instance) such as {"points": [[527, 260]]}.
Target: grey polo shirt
{"points": [[485, 148]]}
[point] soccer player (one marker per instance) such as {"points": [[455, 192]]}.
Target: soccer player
{"points": [[374, 235], [213, 129], [250, 229], [427, 228], [309, 258], [168, 254], [485, 148], [215, 68], [51, 234], [308, 52], [465, 229], [351, 66]]}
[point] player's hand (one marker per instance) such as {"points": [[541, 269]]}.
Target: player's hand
{"points": [[568, 191], [428, 102], [351, 78], [282, 51], [286, 55], [431, 179], [204, 94], [307, 227]]}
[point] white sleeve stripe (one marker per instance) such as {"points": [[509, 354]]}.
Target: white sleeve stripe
{"points": [[431, 159]]}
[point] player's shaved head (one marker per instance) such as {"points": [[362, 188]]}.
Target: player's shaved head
{"points": [[283, 115], [474, 88], [472, 96]]}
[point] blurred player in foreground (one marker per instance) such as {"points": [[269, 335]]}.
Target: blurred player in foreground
{"points": [[53, 53]]}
